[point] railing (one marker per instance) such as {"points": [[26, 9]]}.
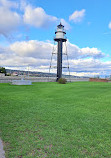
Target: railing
{"points": [[54, 37]]}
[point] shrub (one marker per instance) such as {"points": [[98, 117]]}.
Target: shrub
{"points": [[62, 80], [2, 70], [8, 74]]}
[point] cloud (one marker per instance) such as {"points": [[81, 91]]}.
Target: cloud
{"points": [[8, 4], [76, 52], [66, 25], [23, 4], [17, 61], [89, 67], [40, 49], [16, 14], [92, 52], [32, 48], [77, 16], [85, 74], [109, 25], [37, 55], [9, 20], [37, 17]]}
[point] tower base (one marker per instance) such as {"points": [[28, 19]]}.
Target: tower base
{"points": [[22, 82]]}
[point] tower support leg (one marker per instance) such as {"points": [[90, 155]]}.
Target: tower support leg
{"points": [[59, 60]]}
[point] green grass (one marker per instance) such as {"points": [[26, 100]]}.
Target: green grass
{"points": [[55, 120]]}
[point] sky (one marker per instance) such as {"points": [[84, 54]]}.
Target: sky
{"points": [[27, 30]]}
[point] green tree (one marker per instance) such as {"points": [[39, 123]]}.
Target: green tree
{"points": [[2, 70]]}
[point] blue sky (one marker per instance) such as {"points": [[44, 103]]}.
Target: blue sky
{"points": [[27, 30], [92, 31]]}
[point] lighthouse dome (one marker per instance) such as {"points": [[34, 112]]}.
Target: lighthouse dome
{"points": [[60, 33]]}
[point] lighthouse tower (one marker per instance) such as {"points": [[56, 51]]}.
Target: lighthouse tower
{"points": [[59, 38]]}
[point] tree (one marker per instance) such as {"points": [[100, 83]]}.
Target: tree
{"points": [[2, 70]]}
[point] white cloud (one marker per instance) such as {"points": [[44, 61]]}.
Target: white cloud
{"points": [[17, 61], [14, 14], [40, 49], [32, 48], [90, 64], [89, 67], [85, 74], [76, 52], [93, 52], [109, 25], [77, 16], [37, 17], [66, 25], [9, 20], [23, 4], [8, 4], [37, 55]]}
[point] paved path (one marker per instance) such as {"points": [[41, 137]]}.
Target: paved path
{"points": [[2, 152]]}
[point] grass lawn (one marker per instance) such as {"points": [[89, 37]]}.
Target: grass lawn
{"points": [[54, 120]]}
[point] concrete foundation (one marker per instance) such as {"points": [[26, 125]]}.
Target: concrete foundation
{"points": [[2, 152], [21, 82]]}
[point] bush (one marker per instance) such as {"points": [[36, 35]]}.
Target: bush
{"points": [[2, 70], [8, 74], [62, 81]]}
